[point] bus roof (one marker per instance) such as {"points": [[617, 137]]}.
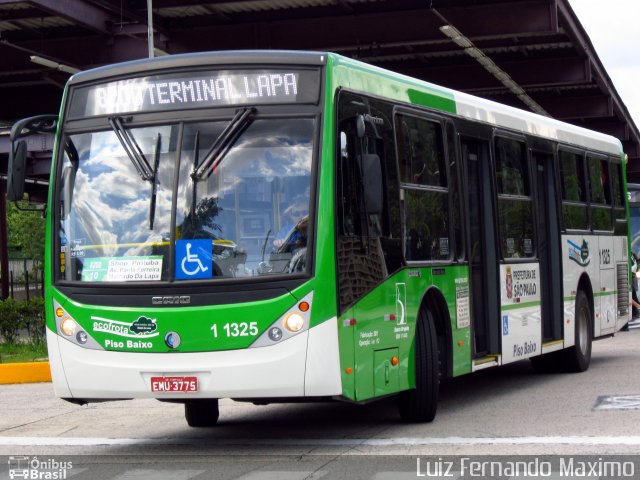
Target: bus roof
{"points": [[201, 59], [384, 83], [400, 87]]}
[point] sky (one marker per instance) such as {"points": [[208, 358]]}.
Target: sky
{"points": [[613, 27]]}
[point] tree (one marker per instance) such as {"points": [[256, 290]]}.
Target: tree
{"points": [[26, 232]]}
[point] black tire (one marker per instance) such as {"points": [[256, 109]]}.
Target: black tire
{"points": [[578, 357], [201, 413], [419, 404]]}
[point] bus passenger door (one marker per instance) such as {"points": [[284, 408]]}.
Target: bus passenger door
{"points": [[548, 237], [483, 244]]}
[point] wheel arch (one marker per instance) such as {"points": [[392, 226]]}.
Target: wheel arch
{"points": [[434, 301], [584, 284]]}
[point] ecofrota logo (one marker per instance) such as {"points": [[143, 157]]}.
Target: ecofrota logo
{"points": [[143, 326]]}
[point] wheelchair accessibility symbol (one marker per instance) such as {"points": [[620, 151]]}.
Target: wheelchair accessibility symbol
{"points": [[193, 259]]}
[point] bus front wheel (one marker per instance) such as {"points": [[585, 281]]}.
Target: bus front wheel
{"points": [[201, 412], [419, 404], [578, 357]]}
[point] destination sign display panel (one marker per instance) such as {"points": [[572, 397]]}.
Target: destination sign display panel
{"points": [[177, 91]]}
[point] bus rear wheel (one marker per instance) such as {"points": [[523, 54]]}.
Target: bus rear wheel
{"points": [[420, 403], [578, 357], [201, 412]]}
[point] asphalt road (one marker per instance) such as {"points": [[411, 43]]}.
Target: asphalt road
{"points": [[503, 411]]}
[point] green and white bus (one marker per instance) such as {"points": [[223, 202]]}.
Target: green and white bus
{"points": [[283, 226]]}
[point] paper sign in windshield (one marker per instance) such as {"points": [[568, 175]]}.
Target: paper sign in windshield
{"points": [[122, 269]]}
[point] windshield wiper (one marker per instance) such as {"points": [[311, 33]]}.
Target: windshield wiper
{"points": [[154, 182], [132, 149], [223, 143], [194, 193]]}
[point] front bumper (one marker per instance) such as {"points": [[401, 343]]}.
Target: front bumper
{"points": [[305, 365]]}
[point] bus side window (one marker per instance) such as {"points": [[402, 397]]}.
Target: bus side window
{"points": [[600, 194], [455, 190], [361, 176], [423, 174], [515, 209], [619, 203], [575, 215]]}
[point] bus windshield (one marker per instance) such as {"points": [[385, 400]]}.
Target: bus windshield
{"points": [[240, 205]]}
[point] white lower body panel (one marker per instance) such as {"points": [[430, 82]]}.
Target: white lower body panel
{"points": [[304, 365]]}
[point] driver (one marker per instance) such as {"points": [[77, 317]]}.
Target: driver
{"points": [[294, 220], [296, 238]]}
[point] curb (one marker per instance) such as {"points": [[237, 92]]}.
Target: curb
{"points": [[32, 372]]}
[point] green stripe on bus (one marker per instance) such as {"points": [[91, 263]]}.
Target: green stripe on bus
{"points": [[516, 306], [596, 294], [605, 294]]}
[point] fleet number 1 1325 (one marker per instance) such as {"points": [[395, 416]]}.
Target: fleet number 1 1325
{"points": [[236, 329], [605, 257]]}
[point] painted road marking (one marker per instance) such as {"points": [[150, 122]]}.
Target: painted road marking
{"points": [[406, 475], [148, 474], [283, 475], [296, 442], [618, 402]]}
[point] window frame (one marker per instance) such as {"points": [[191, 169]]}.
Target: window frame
{"points": [[505, 135], [615, 164], [405, 186], [593, 206], [585, 203]]}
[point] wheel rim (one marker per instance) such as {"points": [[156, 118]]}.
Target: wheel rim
{"points": [[583, 330]]}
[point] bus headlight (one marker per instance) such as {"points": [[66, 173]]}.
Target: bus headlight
{"points": [[294, 322], [68, 326]]}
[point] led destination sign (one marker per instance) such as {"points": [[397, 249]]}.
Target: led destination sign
{"points": [[195, 90]]}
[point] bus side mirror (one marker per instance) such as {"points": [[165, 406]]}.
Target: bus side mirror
{"points": [[16, 171], [371, 173], [18, 155]]}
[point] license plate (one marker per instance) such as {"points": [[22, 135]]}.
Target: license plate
{"points": [[174, 384]]}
